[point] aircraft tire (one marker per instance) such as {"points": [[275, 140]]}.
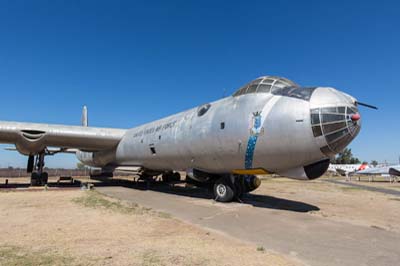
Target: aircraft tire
{"points": [[44, 178], [224, 190], [35, 179], [166, 177], [176, 177]]}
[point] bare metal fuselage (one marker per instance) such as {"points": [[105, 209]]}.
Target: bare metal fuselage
{"points": [[270, 125], [225, 138]]}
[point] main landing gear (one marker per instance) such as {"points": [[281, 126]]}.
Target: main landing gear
{"points": [[35, 167], [225, 190], [232, 187], [169, 177]]}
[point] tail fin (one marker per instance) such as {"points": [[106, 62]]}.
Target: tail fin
{"points": [[85, 121]]}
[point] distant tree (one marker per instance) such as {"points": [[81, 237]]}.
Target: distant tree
{"points": [[374, 163], [80, 166], [345, 157], [354, 161]]}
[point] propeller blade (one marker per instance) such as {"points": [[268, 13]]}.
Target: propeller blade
{"points": [[367, 105]]}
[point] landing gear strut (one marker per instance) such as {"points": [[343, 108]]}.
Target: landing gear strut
{"points": [[171, 177], [35, 167]]}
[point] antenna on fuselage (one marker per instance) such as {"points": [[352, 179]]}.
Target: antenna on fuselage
{"points": [[367, 105]]}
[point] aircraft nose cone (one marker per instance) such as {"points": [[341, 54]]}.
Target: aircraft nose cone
{"points": [[355, 117], [335, 119]]}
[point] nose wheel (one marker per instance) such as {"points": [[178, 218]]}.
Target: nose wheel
{"points": [[35, 167], [224, 190]]}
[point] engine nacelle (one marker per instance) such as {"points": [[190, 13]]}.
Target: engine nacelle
{"points": [[30, 142]]}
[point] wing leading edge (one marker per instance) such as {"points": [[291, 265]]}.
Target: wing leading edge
{"points": [[32, 138]]}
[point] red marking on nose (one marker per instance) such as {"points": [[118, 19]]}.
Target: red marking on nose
{"points": [[355, 117]]}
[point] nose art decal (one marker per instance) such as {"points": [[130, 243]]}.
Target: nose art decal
{"points": [[255, 131]]}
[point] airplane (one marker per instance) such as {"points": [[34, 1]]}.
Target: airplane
{"points": [[270, 125], [346, 169], [392, 170]]}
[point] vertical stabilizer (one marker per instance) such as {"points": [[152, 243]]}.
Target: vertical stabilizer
{"points": [[84, 121]]}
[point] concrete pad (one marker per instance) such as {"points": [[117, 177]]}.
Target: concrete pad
{"points": [[277, 224]]}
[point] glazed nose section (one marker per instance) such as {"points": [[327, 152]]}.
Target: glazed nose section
{"points": [[335, 119]]}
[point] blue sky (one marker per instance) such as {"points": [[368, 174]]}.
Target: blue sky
{"points": [[135, 61]]}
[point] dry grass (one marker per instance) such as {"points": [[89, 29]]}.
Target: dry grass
{"points": [[16, 256], [86, 228], [93, 199], [339, 202]]}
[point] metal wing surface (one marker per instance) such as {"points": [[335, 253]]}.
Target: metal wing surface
{"points": [[32, 138]]}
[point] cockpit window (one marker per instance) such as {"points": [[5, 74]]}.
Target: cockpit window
{"points": [[252, 88], [265, 85], [294, 92], [264, 88]]}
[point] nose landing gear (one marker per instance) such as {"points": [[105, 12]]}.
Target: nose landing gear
{"points": [[224, 189], [232, 187]]}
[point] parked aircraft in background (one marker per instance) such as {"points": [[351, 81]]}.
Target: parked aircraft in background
{"points": [[270, 125], [392, 170], [346, 169]]}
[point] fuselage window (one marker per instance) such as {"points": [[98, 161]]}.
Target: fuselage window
{"points": [[333, 127], [222, 125], [332, 118], [153, 150], [203, 109], [336, 135], [317, 131]]}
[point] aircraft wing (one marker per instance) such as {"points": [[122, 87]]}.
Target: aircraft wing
{"points": [[32, 138], [386, 170]]}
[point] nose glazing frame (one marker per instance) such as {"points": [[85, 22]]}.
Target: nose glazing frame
{"points": [[336, 125]]}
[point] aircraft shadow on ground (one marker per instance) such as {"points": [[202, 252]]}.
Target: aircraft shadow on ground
{"points": [[27, 185], [260, 201]]}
